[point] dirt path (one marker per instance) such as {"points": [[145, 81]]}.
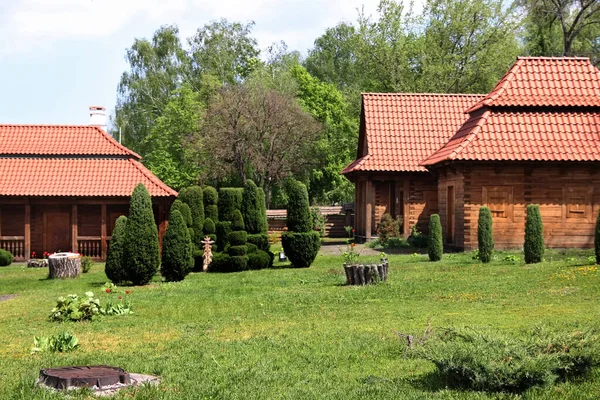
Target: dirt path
{"points": [[336, 248]]}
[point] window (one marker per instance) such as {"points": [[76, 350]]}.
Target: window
{"points": [[499, 199], [577, 203]]}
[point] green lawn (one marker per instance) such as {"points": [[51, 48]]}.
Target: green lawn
{"points": [[297, 334]]}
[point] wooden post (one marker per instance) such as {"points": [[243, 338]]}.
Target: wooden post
{"points": [[369, 208], [103, 230], [27, 233], [74, 234]]}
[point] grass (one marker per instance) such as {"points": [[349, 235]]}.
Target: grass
{"points": [[298, 334]]}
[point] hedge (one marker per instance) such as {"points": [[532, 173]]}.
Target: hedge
{"points": [[301, 248], [114, 268], [298, 210], [211, 199], [212, 212], [237, 250], [193, 197], [435, 247], [141, 253], [485, 236], [223, 229], [259, 260], [237, 238], [534, 235], [261, 241], [177, 251], [209, 226]]}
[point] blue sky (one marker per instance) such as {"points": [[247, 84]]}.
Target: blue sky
{"points": [[57, 57]]}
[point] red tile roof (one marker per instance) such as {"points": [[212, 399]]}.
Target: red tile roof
{"points": [[546, 81], [544, 109], [404, 129], [45, 160], [59, 140]]}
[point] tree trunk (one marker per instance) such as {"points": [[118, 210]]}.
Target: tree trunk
{"points": [[64, 265]]}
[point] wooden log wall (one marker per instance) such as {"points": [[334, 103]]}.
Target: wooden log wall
{"points": [[450, 177]]}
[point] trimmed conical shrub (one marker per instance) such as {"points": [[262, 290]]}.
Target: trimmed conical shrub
{"points": [[230, 199], [251, 208], [597, 240], [114, 268], [435, 245], [299, 218], [485, 236], [184, 209], [534, 235], [211, 199], [237, 221], [177, 251], [209, 227], [141, 253], [193, 197], [263, 222], [301, 244]]}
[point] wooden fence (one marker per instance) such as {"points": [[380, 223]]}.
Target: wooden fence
{"points": [[336, 218]]}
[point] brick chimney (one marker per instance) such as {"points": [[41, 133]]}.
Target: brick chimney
{"points": [[98, 117]]}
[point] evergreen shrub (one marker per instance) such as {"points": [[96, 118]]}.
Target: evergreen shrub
{"points": [[252, 248], [193, 197], [251, 208], [534, 235], [141, 252], [209, 226], [435, 247], [301, 248], [220, 263], [212, 212], [238, 250], [299, 218], [237, 238], [237, 222], [230, 199], [389, 227], [259, 260], [238, 263], [6, 258], [177, 251], [223, 230], [261, 241], [211, 197], [186, 213], [114, 267], [263, 223], [485, 237]]}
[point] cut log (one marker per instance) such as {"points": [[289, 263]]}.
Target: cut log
{"points": [[37, 263], [64, 265], [349, 274]]}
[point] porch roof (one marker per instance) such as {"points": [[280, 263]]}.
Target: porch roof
{"points": [[61, 160]]}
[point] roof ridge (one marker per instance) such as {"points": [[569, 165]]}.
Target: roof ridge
{"points": [[112, 141], [499, 88], [470, 136], [424, 94], [552, 58], [153, 178]]}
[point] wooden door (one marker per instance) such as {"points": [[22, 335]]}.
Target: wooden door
{"points": [[57, 231], [450, 216]]}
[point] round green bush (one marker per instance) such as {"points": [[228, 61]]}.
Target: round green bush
{"points": [[193, 197], [301, 248], [259, 260], [115, 266], [230, 199], [251, 208], [435, 247], [209, 226], [212, 211], [237, 238], [485, 237], [534, 235], [261, 241], [239, 250], [177, 251], [6, 258], [237, 222], [211, 197], [223, 229], [251, 248], [299, 218], [141, 253]]}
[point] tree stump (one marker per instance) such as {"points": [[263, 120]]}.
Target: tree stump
{"points": [[366, 274], [37, 263], [64, 265]]}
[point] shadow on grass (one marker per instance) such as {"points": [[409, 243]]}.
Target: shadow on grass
{"points": [[284, 266], [433, 382]]}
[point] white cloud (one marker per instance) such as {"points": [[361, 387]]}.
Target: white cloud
{"points": [[28, 26]]}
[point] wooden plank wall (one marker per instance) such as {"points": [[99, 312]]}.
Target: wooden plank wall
{"points": [[88, 220], [423, 200], [12, 220], [450, 177]]}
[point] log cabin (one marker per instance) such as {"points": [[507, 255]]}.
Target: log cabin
{"points": [[397, 132], [63, 187], [534, 139]]}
